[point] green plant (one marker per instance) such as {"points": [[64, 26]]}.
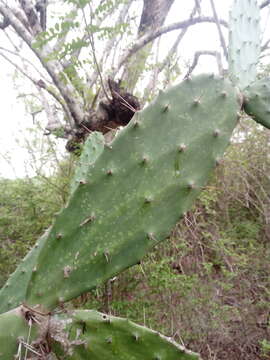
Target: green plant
{"points": [[124, 202]]}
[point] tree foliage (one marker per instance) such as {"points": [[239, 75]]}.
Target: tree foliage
{"points": [[77, 45]]}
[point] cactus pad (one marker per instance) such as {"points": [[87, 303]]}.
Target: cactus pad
{"points": [[82, 335], [257, 101], [136, 191], [244, 42], [100, 337]]}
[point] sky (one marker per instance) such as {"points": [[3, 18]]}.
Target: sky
{"points": [[15, 120]]}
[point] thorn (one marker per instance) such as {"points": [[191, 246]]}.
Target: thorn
{"points": [[136, 123], [196, 102], [67, 270], [166, 108], [108, 146], [216, 133], [59, 236], [106, 254], [182, 148], [151, 236], [191, 186], [88, 220], [148, 199], [109, 340], [218, 162], [145, 159], [82, 182]]}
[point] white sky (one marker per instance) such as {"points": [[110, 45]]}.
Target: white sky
{"points": [[14, 119]]}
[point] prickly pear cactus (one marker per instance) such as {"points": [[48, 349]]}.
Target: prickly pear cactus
{"points": [[257, 101], [125, 198], [136, 191], [244, 42]]}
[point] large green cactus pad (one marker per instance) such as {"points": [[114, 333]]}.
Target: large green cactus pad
{"points": [[20, 278], [136, 191], [244, 42], [100, 337], [257, 101]]}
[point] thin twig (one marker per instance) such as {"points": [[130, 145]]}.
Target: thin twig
{"points": [[221, 37], [196, 59], [152, 35], [24, 59], [92, 44], [264, 4]]}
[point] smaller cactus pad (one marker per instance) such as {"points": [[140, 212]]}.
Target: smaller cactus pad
{"points": [[244, 42], [257, 101], [99, 337]]}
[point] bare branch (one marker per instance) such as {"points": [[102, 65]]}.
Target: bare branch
{"points": [[5, 23], [110, 44], [147, 38], [221, 37], [31, 15], [180, 37], [92, 44], [25, 60], [54, 68], [38, 83], [264, 4], [265, 46], [172, 51], [41, 8], [196, 59]]}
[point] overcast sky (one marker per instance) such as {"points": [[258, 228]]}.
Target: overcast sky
{"points": [[13, 117]]}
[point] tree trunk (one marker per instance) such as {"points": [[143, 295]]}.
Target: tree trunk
{"points": [[153, 16]]}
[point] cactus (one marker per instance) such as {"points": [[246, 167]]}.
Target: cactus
{"points": [[256, 101], [244, 42], [125, 198], [153, 170]]}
